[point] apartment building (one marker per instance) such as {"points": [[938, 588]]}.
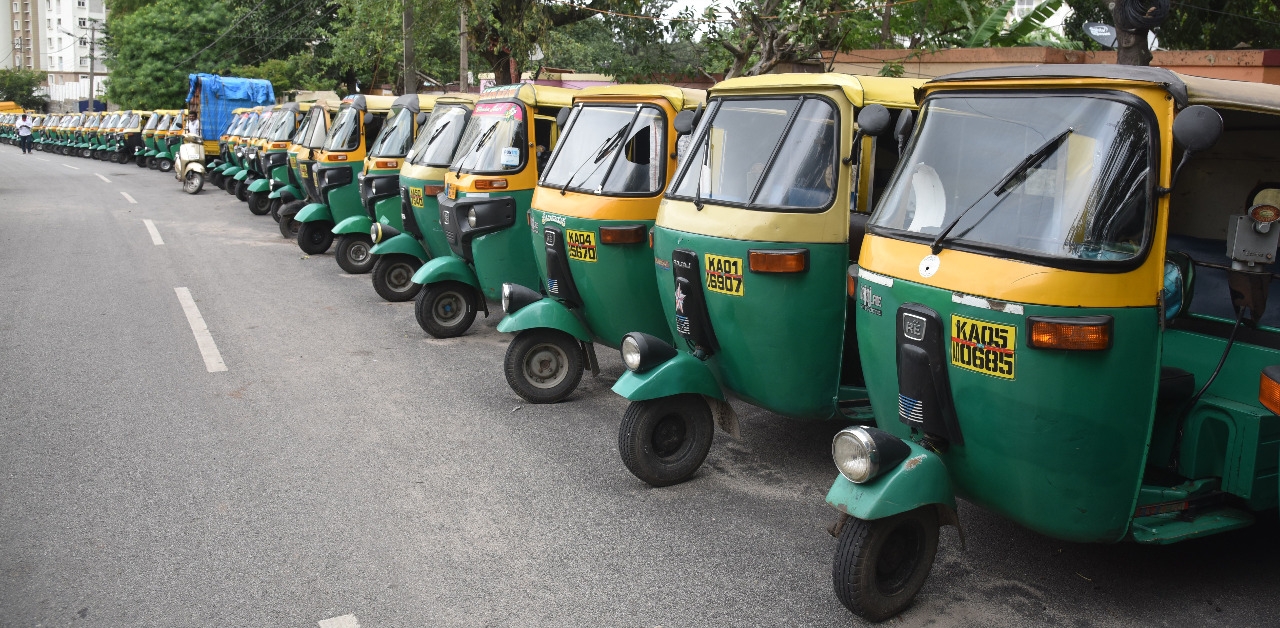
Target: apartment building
{"points": [[57, 37], [22, 34]]}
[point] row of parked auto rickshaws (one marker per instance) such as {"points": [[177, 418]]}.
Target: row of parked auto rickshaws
{"points": [[146, 138], [1041, 289]]}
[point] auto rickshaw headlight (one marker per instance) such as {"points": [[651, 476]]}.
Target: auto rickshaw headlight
{"points": [[516, 296], [863, 453], [380, 232], [471, 217], [641, 352]]}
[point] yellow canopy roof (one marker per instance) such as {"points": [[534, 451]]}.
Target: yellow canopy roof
{"points": [[860, 90]]}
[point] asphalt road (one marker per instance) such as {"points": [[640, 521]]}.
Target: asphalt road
{"points": [[346, 466]]}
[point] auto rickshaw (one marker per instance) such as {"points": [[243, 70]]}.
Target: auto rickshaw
{"points": [[354, 128], [303, 149], [86, 136], [401, 252], [590, 219], [253, 144], [148, 139], [751, 246], [109, 136], [67, 133], [1062, 317], [273, 158], [485, 206], [226, 147], [127, 137], [239, 144], [164, 138], [379, 184]]}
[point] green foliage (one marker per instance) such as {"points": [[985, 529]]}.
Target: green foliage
{"points": [[990, 31], [1253, 23], [629, 49], [301, 71], [20, 86], [152, 50], [368, 40]]}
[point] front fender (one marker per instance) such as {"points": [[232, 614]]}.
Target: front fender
{"points": [[681, 374], [194, 166], [401, 243], [231, 171], [447, 268], [259, 185], [242, 175], [920, 480], [288, 191], [545, 314], [313, 212], [353, 224]]}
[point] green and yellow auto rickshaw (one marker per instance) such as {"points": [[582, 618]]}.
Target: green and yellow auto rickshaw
{"points": [[591, 215], [379, 184], [67, 133], [484, 207], [1062, 317], [226, 147], [751, 247], [238, 144], [86, 136], [109, 136], [401, 252], [148, 139], [354, 128], [155, 139], [168, 137], [253, 150], [127, 137], [272, 158], [303, 149]]}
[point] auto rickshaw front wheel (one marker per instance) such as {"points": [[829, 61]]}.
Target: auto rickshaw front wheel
{"points": [[354, 253], [164, 164], [141, 162], [314, 237], [259, 204], [393, 277], [193, 181], [543, 365], [242, 191], [663, 441], [446, 309], [288, 226], [233, 184], [273, 208], [880, 565]]}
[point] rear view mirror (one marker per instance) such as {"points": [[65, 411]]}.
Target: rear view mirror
{"points": [[368, 118], [1197, 128], [902, 130], [687, 120], [562, 117], [422, 117], [874, 120]]}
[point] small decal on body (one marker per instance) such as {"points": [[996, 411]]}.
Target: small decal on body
{"points": [[986, 304]]}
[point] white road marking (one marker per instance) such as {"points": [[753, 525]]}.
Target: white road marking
{"points": [[102, 177], [212, 359], [346, 621], [42, 159], [70, 166], [155, 235], [129, 198]]}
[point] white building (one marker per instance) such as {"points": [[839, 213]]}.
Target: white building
{"points": [[57, 37]]}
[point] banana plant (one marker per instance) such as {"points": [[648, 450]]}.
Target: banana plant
{"points": [[991, 31]]}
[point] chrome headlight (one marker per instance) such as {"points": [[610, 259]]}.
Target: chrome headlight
{"points": [[863, 453], [631, 353], [471, 217], [641, 352], [516, 296]]}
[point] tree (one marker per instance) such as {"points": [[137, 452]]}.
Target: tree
{"points": [[765, 33], [505, 32], [629, 49], [152, 50], [1221, 25], [20, 86]]}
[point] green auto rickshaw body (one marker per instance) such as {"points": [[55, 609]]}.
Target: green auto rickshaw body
{"points": [[422, 179], [227, 141], [496, 163], [302, 150], [603, 215], [342, 156], [271, 155], [1057, 349]]}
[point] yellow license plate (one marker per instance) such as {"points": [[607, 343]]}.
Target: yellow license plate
{"points": [[415, 197], [983, 347], [303, 169], [724, 275], [293, 161], [451, 191], [582, 245]]}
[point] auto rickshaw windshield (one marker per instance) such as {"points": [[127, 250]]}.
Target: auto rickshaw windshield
{"points": [[132, 121], [625, 143], [283, 122], [1088, 199], [151, 123], [489, 142], [396, 136], [345, 134], [740, 161], [439, 138], [303, 131], [250, 126], [176, 124]]}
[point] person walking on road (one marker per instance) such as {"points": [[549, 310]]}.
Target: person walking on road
{"points": [[24, 134]]}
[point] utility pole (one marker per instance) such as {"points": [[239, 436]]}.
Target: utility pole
{"points": [[93, 60], [410, 64], [462, 49]]}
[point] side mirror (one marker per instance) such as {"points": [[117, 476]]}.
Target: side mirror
{"points": [[1196, 129], [368, 118], [562, 117], [686, 121], [421, 117], [902, 130], [874, 120]]}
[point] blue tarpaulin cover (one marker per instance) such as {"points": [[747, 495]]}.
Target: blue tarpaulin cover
{"points": [[219, 95]]}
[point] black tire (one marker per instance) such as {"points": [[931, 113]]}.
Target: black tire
{"points": [[663, 441], [164, 164], [881, 565], [315, 237], [233, 184], [543, 365], [218, 180], [446, 309], [393, 277], [259, 204], [152, 162], [242, 191], [288, 226], [193, 182], [141, 162], [353, 253], [273, 208]]}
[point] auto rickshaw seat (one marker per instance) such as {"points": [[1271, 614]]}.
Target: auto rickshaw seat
{"points": [[857, 231]]}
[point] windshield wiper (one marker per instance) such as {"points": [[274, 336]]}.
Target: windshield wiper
{"points": [[484, 139], [437, 134], [596, 156], [1010, 180]]}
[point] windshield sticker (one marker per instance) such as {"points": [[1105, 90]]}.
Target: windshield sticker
{"points": [[724, 275], [511, 156], [983, 347], [415, 197], [507, 110], [582, 245]]}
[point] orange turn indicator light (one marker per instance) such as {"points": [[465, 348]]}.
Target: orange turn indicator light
{"points": [[387, 164], [337, 158], [851, 283], [1084, 333], [1269, 389], [491, 184], [280, 145], [778, 260], [432, 190], [622, 235]]}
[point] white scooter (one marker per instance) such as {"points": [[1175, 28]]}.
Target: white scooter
{"points": [[190, 167]]}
